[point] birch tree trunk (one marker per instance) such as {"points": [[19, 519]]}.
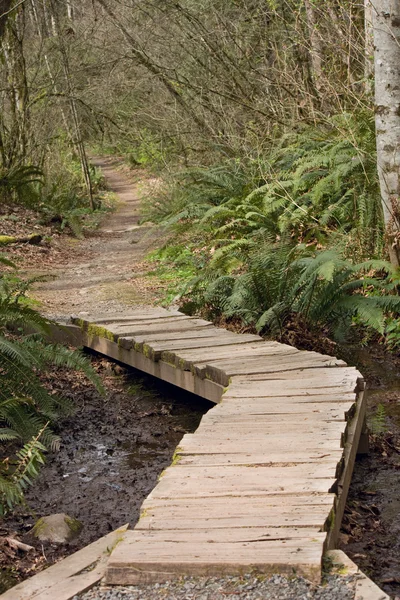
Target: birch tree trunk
{"points": [[316, 51], [368, 47], [386, 23]]}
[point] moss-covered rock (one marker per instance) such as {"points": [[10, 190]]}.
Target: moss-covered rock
{"points": [[57, 529], [7, 239]]}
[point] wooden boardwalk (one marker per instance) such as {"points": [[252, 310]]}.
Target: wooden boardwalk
{"points": [[261, 485]]}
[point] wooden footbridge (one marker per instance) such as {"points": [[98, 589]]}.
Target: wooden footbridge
{"points": [[261, 485]]}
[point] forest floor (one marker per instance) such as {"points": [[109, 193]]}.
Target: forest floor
{"points": [[108, 268], [101, 273], [113, 448]]}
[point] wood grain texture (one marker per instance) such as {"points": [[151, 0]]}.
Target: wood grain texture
{"points": [[262, 483]]}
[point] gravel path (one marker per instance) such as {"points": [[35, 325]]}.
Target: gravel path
{"points": [[245, 588]]}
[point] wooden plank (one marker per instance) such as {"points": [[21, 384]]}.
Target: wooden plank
{"points": [[265, 433], [184, 324], [227, 535], [173, 352], [295, 383], [140, 329], [269, 446], [160, 559], [64, 580], [349, 456], [222, 371], [139, 314], [346, 372], [198, 359], [192, 339], [187, 335], [228, 487], [272, 459], [251, 407], [279, 520], [244, 475], [306, 502], [243, 430], [275, 412]]}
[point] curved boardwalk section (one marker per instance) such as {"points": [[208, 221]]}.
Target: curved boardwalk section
{"points": [[261, 485]]}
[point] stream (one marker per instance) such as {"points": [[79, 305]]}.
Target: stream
{"points": [[113, 450]]}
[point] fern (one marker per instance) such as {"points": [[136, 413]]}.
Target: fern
{"points": [[377, 421], [16, 475], [26, 408]]}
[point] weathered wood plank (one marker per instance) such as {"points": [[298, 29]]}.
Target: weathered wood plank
{"points": [[160, 558], [306, 382], [229, 488], [197, 360], [273, 459], [267, 446], [203, 333], [173, 352], [349, 456], [138, 314], [278, 523], [275, 412], [222, 371], [303, 502], [172, 324]]}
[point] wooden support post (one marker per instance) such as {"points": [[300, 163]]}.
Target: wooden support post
{"points": [[363, 444]]}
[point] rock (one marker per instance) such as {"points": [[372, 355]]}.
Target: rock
{"points": [[58, 529]]}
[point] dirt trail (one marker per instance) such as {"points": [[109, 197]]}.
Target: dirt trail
{"points": [[110, 275]]}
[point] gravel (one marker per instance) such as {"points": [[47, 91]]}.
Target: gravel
{"points": [[248, 587]]}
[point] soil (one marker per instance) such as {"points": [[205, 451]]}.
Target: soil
{"points": [[371, 525], [113, 450], [107, 271]]}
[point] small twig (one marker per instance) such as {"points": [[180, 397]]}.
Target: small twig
{"points": [[44, 555], [17, 545]]}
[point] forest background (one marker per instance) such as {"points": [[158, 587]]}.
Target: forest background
{"points": [[265, 120]]}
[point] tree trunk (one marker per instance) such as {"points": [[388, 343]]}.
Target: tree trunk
{"points": [[316, 50], [386, 23], [74, 112], [70, 11], [17, 89], [368, 47], [5, 6]]}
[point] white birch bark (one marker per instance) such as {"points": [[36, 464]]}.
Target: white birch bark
{"points": [[386, 22], [316, 50], [368, 47], [70, 10]]}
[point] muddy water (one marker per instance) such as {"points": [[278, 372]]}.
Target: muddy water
{"points": [[371, 527], [113, 451]]}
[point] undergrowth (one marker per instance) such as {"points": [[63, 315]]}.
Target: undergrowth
{"points": [[292, 238]]}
